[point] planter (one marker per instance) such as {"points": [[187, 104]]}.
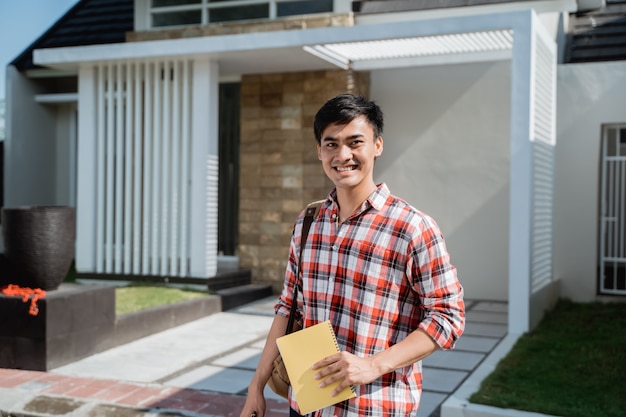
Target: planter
{"points": [[39, 244]]}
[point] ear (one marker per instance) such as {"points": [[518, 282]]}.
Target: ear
{"points": [[319, 151], [378, 144]]}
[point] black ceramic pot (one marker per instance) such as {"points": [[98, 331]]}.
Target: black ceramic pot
{"points": [[39, 244]]}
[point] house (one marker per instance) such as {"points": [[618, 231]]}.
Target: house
{"points": [[181, 131]]}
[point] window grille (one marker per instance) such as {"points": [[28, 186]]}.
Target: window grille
{"points": [[612, 268]]}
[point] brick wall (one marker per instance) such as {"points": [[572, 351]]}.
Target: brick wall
{"points": [[279, 169]]}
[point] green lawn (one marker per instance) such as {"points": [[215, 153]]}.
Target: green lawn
{"points": [[142, 296], [573, 364]]}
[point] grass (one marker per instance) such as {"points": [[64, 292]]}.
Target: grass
{"points": [[139, 296], [573, 364], [136, 297]]}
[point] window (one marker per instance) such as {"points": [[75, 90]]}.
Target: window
{"points": [[612, 268], [168, 13]]}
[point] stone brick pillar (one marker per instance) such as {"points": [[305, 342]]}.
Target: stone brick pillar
{"points": [[280, 172]]}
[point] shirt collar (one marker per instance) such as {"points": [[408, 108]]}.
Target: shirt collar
{"points": [[376, 200]]}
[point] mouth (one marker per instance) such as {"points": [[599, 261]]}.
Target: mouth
{"points": [[346, 168]]}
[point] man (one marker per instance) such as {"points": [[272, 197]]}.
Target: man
{"points": [[374, 266]]}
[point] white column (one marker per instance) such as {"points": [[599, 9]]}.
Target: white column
{"points": [[521, 178], [524, 90], [86, 171], [204, 151]]}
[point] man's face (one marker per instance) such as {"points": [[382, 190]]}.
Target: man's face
{"points": [[348, 152]]}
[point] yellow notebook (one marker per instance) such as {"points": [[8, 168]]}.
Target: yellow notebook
{"points": [[300, 350]]}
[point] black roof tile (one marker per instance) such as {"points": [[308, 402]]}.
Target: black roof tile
{"points": [[89, 22], [598, 35]]}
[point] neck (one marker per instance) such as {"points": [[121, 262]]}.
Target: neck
{"points": [[350, 199]]}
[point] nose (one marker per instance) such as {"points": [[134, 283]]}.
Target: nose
{"points": [[344, 153]]}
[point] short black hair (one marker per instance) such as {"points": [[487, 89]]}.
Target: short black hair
{"points": [[344, 108]]}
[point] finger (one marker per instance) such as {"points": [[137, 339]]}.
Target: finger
{"points": [[331, 378], [326, 371], [339, 388], [324, 362], [329, 360]]}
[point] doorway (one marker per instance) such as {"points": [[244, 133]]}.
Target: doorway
{"points": [[228, 183]]}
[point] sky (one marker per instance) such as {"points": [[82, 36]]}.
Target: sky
{"points": [[21, 23]]}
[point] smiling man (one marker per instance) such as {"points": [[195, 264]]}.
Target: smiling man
{"points": [[374, 266]]}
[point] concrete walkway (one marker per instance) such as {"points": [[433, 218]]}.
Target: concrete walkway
{"points": [[203, 369]]}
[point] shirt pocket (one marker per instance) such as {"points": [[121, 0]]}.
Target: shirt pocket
{"points": [[375, 274]]}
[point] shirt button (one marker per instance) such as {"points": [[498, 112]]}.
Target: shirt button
{"points": [[334, 247], [331, 279], [334, 216]]}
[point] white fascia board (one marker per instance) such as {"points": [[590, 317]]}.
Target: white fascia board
{"points": [[71, 57]]}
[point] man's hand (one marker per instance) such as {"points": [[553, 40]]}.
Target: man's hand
{"points": [[347, 368], [354, 370], [255, 405]]}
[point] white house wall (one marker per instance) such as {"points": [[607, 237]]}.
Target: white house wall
{"points": [[447, 151], [30, 170], [589, 95], [65, 153]]}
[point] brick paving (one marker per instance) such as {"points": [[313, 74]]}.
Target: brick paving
{"points": [[53, 390]]}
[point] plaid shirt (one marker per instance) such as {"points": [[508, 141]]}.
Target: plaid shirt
{"points": [[379, 276]]}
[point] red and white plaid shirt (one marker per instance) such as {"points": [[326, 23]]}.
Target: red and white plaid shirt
{"points": [[382, 274]]}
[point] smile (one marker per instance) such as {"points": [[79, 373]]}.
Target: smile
{"points": [[345, 169]]}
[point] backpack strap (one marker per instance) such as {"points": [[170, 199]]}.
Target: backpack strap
{"points": [[311, 212]]}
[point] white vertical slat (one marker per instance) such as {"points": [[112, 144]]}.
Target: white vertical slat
{"points": [[614, 208], [543, 134], [620, 216], [137, 167], [213, 172], [87, 165], [620, 199], [166, 138], [175, 175], [100, 162], [128, 167], [109, 170], [145, 153], [611, 209], [185, 158], [156, 168], [147, 168], [603, 210], [119, 168], [212, 207]]}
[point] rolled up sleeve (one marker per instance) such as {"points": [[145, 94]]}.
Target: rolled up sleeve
{"points": [[436, 281]]}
